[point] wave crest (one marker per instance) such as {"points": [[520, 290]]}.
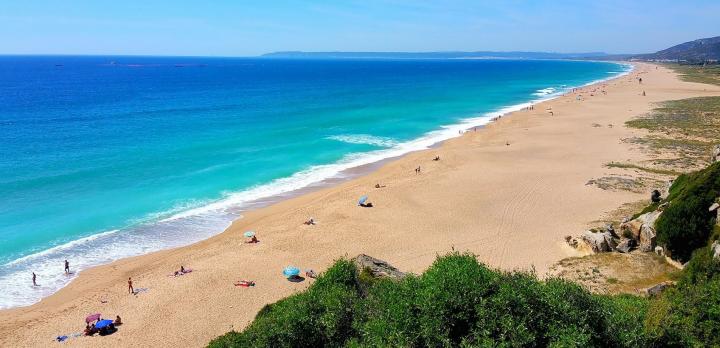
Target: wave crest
{"points": [[366, 139]]}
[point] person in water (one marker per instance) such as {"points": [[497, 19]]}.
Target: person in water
{"points": [[34, 278], [67, 267]]}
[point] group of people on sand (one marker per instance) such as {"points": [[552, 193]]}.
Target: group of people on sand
{"points": [[67, 272], [91, 328]]}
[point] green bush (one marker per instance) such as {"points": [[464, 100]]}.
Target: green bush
{"points": [[689, 314], [458, 302], [686, 224]]}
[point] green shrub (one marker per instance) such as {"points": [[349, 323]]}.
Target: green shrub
{"points": [[458, 302], [389, 315], [624, 317], [447, 297], [686, 224]]}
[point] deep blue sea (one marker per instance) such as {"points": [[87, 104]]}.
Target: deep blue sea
{"points": [[107, 157]]}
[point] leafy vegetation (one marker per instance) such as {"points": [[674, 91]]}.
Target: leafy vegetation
{"points": [[686, 224], [689, 314], [459, 302]]}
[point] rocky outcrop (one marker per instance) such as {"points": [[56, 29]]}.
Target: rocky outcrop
{"points": [[572, 241], [660, 251], [659, 288], [626, 245], [631, 229], [599, 241], [715, 154], [647, 239], [377, 268], [715, 248]]}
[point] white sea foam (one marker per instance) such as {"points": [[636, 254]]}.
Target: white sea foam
{"points": [[545, 91], [366, 139], [195, 221]]}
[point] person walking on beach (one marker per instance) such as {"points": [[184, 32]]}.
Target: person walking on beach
{"points": [[130, 286], [67, 267], [34, 279]]}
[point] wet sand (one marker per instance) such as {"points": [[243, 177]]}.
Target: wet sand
{"points": [[509, 204]]}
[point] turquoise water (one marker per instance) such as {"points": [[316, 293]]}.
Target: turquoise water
{"points": [[107, 157]]}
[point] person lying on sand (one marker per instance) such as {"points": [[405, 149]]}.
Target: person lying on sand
{"points": [[90, 330], [367, 205], [309, 222], [182, 271], [310, 274], [253, 239], [437, 158], [244, 283]]}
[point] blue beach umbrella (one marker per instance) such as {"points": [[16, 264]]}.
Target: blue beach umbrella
{"points": [[291, 271], [249, 234], [103, 324], [362, 200]]}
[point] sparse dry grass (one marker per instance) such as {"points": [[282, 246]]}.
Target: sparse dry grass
{"points": [[615, 273]]}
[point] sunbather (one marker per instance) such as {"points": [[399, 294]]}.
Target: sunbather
{"points": [[253, 239], [310, 274], [244, 283]]}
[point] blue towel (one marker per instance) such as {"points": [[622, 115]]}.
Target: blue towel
{"points": [[61, 338]]}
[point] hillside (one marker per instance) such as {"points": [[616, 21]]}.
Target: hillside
{"points": [[693, 51]]}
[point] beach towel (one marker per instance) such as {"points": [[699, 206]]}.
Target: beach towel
{"points": [[137, 291], [61, 338]]}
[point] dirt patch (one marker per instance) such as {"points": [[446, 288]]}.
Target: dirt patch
{"points": [[614, 273]]}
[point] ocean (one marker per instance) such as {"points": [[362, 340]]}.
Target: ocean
{"points": [[108, 157]]}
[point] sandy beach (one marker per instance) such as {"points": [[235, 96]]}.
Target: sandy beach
{"points": [[509, 204]]}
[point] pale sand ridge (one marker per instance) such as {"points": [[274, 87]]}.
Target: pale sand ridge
{"points": [[511, 205]]}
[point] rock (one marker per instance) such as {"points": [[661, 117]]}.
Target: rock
{"points": [[376, 267], [626, 245], [650, 218], [715, 248], [647, 238], [571, 241], [655, 196], [599, 241], [714, 207], [659, 288], [610, 229], [631, 229], [660, 251], [715, 154], [662, 207]]}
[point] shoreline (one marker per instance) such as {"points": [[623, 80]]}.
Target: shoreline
{"points": [[483, 196], [226, 209]]}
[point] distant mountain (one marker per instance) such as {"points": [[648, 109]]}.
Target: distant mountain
{"points": [[692, 51], [416, 55]]}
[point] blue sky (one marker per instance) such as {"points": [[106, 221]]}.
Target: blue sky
{"points": [[243, 28]]}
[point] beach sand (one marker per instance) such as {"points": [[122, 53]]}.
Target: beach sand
{"points": [[509, 204]]}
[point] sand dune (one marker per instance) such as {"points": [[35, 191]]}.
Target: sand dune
{"points": [[509, 204]]}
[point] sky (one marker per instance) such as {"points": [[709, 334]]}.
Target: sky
{"points": [[248, 28]]}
